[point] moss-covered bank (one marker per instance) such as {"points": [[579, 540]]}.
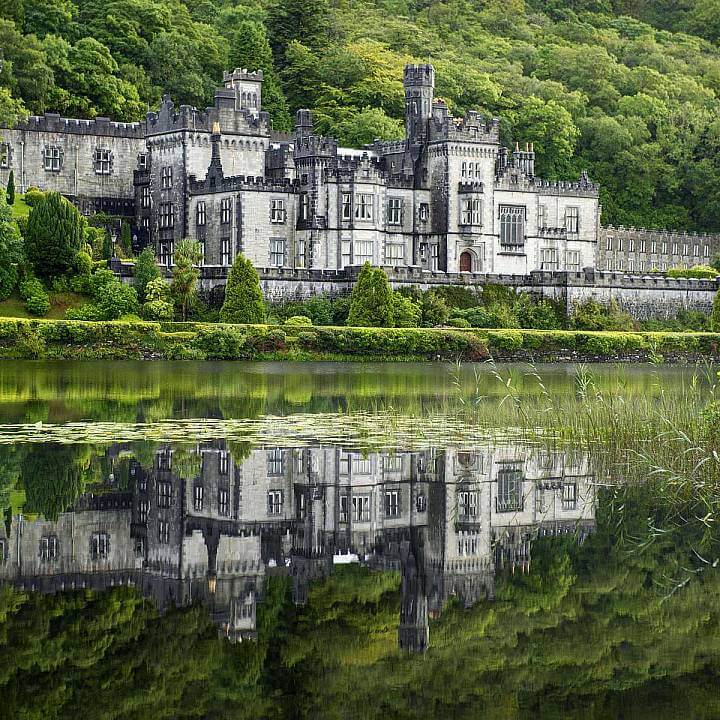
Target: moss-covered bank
{"points": [[29, 339]]}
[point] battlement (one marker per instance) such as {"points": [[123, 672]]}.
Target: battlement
{"points": [[518, 180], [241, 182], [663, 234], [472, 128], [421, 75], [231, 79], [100, 126], [308, 146], [470, 186]]}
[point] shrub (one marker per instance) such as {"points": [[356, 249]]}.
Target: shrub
{"points": [[12, 252], [492, 316], [158, 304], [29, 344], [506, 340], [220, 343], [591, 315], [715, 317], [456, 297], [33, 196], [700, 272], [434, 310], [38, 304], [539, 315], [299, 321], [405, 312], [340, 310], [458, 322], [243, 294], [371, 300], [55, 235]]}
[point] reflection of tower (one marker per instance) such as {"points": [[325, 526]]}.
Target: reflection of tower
{"points": [[414, 631]]}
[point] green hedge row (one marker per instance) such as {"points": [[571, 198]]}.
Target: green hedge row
{"points": [[21, 338]]}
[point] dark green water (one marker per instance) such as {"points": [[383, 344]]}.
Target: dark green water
{"points": [[237, 540]]}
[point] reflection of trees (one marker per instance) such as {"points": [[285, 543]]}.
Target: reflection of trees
{"points": [[54, 476], [10, 458]]}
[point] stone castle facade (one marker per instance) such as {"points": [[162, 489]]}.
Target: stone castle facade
{"points": [[449, 198]]}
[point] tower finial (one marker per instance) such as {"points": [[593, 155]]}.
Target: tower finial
{"points": [[216, 128]]}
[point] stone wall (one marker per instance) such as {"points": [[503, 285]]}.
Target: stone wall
{"points": [[644, 297]]}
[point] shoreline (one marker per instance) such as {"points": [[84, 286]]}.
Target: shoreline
{"points": [[24, 339]]}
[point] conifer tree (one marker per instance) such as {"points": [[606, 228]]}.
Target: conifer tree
{"points": [[10, 190], [55, 235], [12, 253], [126, 239], [371, 300], [301, 20], [146, 270], [243, 295]]}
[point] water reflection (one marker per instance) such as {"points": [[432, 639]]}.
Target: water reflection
{"points": [[212, 523]]}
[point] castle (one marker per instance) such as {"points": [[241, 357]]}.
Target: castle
{"points": [[448, 199]]}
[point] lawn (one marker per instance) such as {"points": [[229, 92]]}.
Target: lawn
{"points": [[14, 306], [19, 208]]}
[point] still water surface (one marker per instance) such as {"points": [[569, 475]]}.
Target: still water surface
{"points": [[236, 540]]}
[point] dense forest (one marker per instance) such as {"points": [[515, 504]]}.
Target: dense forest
{"points": [[625, 88]]}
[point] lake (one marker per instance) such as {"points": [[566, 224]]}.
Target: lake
{"points": [[266, 540]]}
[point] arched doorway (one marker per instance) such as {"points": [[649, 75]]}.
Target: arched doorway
{"points": [[465, 262]]}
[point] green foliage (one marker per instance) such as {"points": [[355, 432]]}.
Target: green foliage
{"points": [[591, 315], [371, 300], [158, 303], [55, 235], [243, 294], [111, 299], [37, 300], [434, 310], [146, 269], [12, 251], [298, 321], [700, 272], [33, 196], [715, 317], [126, 239], [188, 255], [10, 189]]}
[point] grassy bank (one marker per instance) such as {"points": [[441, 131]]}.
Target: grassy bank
{"points": [[30, 339]]}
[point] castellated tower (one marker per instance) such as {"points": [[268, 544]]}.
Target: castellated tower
{"points": [[248, 89], [419, 84]]}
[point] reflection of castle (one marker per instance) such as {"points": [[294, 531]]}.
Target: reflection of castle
{"points": [[211, 531]]}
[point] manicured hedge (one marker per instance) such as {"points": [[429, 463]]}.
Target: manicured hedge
{"points": [[197, 341]]}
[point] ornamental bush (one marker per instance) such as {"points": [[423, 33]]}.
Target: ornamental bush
{"points": [[158, 304], [371, 300], [146, 270], [405, 312], [12, 252], [298, 321], [244, 301], [55, 235], [715, 317], [699, 272], [37, 300]]}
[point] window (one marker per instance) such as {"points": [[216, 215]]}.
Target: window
{"points": [[362, 466], [99, 546], [463, 170], [198, 497], [512, 225], [392, 504], [706, 251], [361, 508], [277, 252], [225, 211], [49, 547], [548, 259], [620, 244], [675, 248], [346, 209], [643, 246], [53, 158], [542, 216], [304, 206], [572, 219], [364, 206], [164, 495], [664, 248], [467, 503], [143, 508], [344, 509], [167, 219], [653, 246], [164, 532], [166, 253], [569, 496], [686, 249], [300, 253], [143, 161], [421, 503], [164, 460], [223, 502], [424, 212], [3, 552], [166, 177], [631, 265], [509, 492], [471, 211], [145, 197], [572, 259], [102, 161], [275, 502], [275, 462], [609, 243], [277, 210], [363, 252], [201, 214], [5, 155], [395, 208], [394, 253], [696, 250], [225, 251], [223, 462], [631, 245]]}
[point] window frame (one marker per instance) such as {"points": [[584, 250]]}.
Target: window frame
{"points": [[53, 158], [512, 221]]}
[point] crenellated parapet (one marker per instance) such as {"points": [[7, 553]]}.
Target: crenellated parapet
{"points": [[241, 183], [99, 126]]}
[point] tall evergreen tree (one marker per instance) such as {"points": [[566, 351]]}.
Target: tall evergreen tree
{"points": [[10, 190], [301, 20], [371, 300], [55, 235], [249, 48], [12, 253], [243, 294], [126, 239], [146, 270]]}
